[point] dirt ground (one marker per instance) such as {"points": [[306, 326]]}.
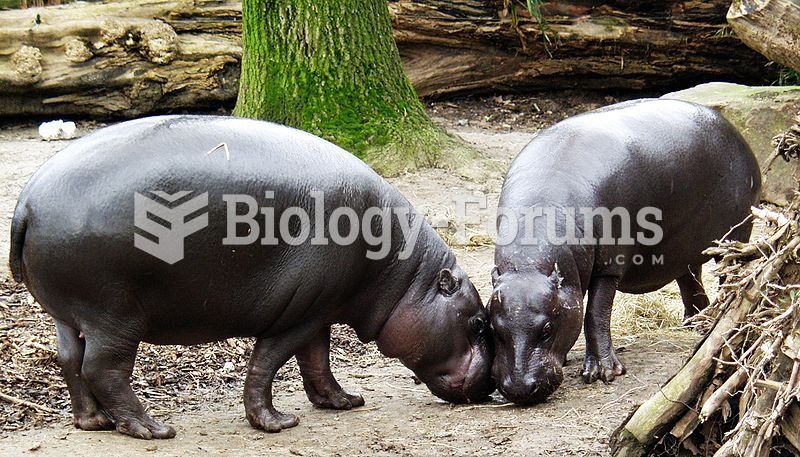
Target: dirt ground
{"points": [[198, 389]]}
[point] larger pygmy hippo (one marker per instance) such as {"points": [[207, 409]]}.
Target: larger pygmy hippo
{"points": [[196, 269], [623, 198]]}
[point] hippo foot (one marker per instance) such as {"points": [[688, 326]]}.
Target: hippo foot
{"points": [[687, 322], [605, 369], [93, 421], [144, 428], [688, 314], [337, 399], [272, 421]]}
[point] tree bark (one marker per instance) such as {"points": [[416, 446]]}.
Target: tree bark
{"points": [[127, 58], [771, 27]]}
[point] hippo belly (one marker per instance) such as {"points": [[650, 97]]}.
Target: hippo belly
{"points": [[216, 291]]}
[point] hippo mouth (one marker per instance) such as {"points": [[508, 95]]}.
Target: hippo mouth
{"points": [[473, 386], [538, 393]]}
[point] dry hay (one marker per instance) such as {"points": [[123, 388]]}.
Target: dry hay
{"points": [[647, 314], [739, 392], [167, 379]]}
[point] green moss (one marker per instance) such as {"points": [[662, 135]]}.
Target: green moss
{"points": [[711, 94], [332, 68], [609, 22]]}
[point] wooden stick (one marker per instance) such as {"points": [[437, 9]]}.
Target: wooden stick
{"points": [[725, 391], [29, 404]]}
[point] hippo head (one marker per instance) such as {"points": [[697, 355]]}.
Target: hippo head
{"points": [[536, 318], [442, 334]]}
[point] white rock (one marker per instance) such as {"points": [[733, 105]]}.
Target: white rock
{"points": [[50, 130], [68, 130], [228, 366], [57, 130]]}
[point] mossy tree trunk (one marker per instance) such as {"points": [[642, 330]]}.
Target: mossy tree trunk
{"points": [[332, 68]]}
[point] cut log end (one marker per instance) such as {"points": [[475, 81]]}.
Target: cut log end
{"points": [[27, 65]]}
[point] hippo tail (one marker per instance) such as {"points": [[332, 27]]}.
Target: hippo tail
{"points": [[19, 227]]}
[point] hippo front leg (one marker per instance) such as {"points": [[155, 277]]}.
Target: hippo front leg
{"points": [[269, 354], [601, 360], [321, 387]]}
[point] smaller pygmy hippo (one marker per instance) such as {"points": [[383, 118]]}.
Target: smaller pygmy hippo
{"points": [[623, 198]]}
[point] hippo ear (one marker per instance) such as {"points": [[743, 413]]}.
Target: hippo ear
{"points": [[556, 277], [448, 283], [495, 275]]}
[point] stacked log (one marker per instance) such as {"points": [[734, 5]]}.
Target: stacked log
{"points": [[739, 394]]}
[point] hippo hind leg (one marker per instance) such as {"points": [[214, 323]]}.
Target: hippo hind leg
{"points": [[107, 367], [321, 387], [692, 292], [601, 361], [86, 411]]}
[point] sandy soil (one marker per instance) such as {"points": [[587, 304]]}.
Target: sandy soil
{"points": [[400, 418]]}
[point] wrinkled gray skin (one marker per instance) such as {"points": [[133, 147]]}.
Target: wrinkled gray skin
{"points": [[73, 246], [679, 157]]}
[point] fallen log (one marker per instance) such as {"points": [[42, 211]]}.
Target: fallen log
{"points": [[465, 46], [128, 58], [771, 27], [119, 59]]}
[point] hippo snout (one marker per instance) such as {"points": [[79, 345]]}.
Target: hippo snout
{"points": [[524, 392], [530, 388]]}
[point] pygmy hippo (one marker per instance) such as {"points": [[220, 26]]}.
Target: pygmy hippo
{"points": [[200, 190], [623, 198]]}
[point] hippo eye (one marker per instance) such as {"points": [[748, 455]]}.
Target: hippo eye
{"points": [[477, 324], [546, 330]]}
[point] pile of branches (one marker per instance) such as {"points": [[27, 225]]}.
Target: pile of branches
{"points": [[787, 144], [739, 394]]}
